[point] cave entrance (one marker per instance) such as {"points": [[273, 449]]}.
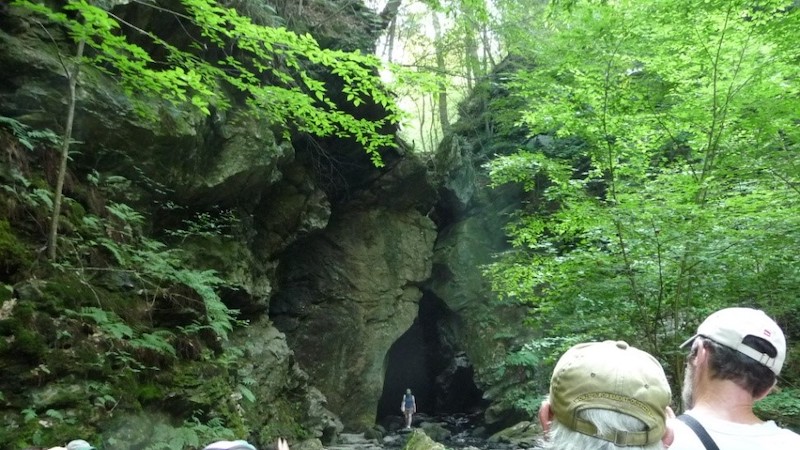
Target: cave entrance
{"points": [[428, 359]]}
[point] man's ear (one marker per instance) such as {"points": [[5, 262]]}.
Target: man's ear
{"points": [[703, 352], [669, 436], [545, 416]]}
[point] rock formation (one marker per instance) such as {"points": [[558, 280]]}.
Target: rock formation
{"points": [[327, 257]]}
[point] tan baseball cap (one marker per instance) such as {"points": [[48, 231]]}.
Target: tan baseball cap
{"points": [[616, 377], [730, 326]]}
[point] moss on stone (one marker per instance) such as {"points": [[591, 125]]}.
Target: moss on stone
{"points": [[13, 253], [21, 338], [283, 421], [418, 440], [29, 343], [148, 392]]}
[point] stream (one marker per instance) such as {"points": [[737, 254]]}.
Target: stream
{"points": [[455, 431]]}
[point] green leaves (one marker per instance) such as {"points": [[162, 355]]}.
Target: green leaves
{"points": [[268, 64], [681, 195], [114, 327], [28, 137], [783, 403]]}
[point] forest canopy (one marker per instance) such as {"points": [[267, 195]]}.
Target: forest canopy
{"points": [[670, 187]]}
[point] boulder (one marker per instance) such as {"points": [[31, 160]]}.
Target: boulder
{"points": [[418, 440], [522, 435]]}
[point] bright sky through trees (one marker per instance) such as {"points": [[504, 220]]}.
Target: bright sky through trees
{"points": [[412, 44]]}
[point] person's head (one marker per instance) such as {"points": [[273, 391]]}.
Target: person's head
{"points": [[742, 345], [230, 445], [607, 395], [408, 391], [79, 444]]}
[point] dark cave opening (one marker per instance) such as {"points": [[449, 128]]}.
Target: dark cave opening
{"points": [[428, 360]]}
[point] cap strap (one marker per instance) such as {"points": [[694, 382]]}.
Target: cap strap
{"points": [[620, 438], [763, 358]]}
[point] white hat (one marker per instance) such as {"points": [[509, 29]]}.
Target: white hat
{"points": [[230, 445], [79, 444], [730, 326]]}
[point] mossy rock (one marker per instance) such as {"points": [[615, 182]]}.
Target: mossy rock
{"points": [[373, 434], [523, 434], [14, 255], [22, 339], [6, 293], [149, 392], [66, 291], [308, 444], [418, 440], [57, 395], [436, 431], [205, 386]]}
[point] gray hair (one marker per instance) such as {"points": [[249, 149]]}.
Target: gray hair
{"points": [[563, 438]]}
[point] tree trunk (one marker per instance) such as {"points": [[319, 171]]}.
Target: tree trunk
{"points": [[390, 12], [472, 61], [390, 36], [422, 124], [442, 70], [72, 79], [488, 60]]}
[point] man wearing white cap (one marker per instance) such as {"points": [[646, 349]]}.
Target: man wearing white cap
{"points": [[735, 359], [607, 396]]}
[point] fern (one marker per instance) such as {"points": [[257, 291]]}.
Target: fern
{"points": [[159, 266], [108, 322], [27, 137], [117, 251], [43, 197], [125, 213], [156, 341], [192, 434], [29, 414], [219, 316], [112, 325], [247, 393]]}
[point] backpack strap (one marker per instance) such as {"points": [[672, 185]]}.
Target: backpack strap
{"points": [[698, 429]]}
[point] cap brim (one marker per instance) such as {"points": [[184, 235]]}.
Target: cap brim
{"points": [[689, 341]]}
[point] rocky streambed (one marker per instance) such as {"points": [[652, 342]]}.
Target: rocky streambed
{"points": [[440, 433]]}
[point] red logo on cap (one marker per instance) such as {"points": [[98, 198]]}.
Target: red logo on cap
{"points": [[767, 333]]}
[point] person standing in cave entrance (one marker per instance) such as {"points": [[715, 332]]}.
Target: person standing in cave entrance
{"points": [[409, 407]]}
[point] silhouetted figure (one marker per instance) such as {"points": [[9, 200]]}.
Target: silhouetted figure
{"points": [[409, 407]]}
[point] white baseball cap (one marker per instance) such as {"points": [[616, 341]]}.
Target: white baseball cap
{"points": [[230, 445], [730, 326], [79, 444]]}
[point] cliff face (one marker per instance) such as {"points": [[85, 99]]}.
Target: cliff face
{"points": [[325, 256]]}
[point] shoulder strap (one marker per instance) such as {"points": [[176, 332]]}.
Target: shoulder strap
{"points": [[699, 431]]}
